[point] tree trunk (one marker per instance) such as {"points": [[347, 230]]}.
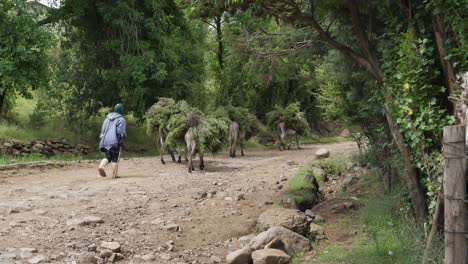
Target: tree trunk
{"points": [[446, 65], [418, 197], [2, 101], [219, 37]]}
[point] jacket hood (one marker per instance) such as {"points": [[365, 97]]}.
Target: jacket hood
{"points": [[112, 116]]}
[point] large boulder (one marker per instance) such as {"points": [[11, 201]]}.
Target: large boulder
{"points": [[293, 242], [270, 256], [322, 153], [240, 256], [305, 192], [291, 219]]}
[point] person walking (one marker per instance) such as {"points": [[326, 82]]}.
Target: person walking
{"points": [[113, 133]]}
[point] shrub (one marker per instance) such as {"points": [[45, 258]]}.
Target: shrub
{"points": [[331, 166]]}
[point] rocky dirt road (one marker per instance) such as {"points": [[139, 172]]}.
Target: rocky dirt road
{"points": [[156, 213]]}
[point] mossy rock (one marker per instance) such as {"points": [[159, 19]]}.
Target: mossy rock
{"points": [[304, 189]]}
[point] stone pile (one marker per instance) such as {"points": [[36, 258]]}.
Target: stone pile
{"points": [[48, 147], [286, 232]]}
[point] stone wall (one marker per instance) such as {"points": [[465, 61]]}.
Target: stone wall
{"points": [[48, 147]]}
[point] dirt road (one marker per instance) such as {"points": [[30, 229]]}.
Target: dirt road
{"points": [[157, 213]]}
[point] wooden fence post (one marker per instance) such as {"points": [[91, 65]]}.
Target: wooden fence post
{"points": [[456, 221]]}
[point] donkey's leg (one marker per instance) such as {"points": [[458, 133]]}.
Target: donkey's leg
{"points": [[179, 160], [171, 152], [233, 146], [242, 146], [161, 150], [190, 167], [297, 142], [202, 164]]}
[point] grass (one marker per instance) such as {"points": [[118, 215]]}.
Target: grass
{"points": [[386, 235], [331, 166], [314, 140], [7, 159], [277, 206]]}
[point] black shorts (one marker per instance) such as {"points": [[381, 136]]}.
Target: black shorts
{"points": [[112, 155]]}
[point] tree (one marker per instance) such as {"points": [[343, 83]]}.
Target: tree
{"points": [[23, 52], [355, 29], [125, 51]]}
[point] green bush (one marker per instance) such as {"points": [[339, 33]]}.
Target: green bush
{"points": [[331, 166]]}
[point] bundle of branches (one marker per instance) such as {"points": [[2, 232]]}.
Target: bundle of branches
{"points": [[291, 115], [182, 118], [159, 114], [211, 134], [248, 122]]}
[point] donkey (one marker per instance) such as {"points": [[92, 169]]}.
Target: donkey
{"points": [[192, 150], [162, 144], [236, 134], [285, 132]]}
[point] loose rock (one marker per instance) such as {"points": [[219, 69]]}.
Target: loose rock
{"points": [[315, 230], [292, 241], [244, 240], [106, 253], [37, 259], [113, 246], [291, 219], [240, 256], [87, 258], [171, 227], [270, 255], [87, 220], [322, 153]]}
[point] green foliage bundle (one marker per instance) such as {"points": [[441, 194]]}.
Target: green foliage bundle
{"points": [[178, 118], [211, 134], [291, 115], [182, 118], [159, 114], [248, 122]]}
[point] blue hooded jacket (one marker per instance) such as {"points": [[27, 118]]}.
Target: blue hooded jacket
{"points": [[113, 131]]}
